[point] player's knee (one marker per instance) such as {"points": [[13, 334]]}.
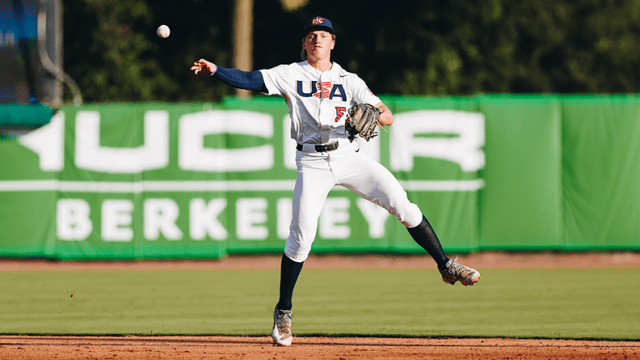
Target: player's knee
{"points": [[298, 244], [297, 253], [409, 215]]}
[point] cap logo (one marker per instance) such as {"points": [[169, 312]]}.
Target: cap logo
{"points": [[317, 20]]}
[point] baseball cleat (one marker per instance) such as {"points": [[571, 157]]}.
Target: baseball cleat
{"points": [[454, 272], [281, 332]]}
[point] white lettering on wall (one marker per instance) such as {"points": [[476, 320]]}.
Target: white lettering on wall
{"points": [[465, 137], [48, 143], [203, 219], [72, 219], [192, 155], [116, 220], [375, 215], [464, 149], [160, 217], [154, 154], [251, 215]]}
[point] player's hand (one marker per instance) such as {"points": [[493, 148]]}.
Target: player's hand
{"points": [[204, 67]]}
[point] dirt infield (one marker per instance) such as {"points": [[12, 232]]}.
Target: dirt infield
{"points": [[141, 348], [160, 347]]}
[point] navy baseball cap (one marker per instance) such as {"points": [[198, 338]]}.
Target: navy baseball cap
{"points": [[317, 23]]}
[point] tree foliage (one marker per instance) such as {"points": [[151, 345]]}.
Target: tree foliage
{"points": [[455, 47]]}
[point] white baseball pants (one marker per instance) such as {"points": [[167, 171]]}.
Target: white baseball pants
{"points": [[318, 173]]}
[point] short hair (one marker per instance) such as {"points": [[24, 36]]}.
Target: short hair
{"points": [[303, 53]]}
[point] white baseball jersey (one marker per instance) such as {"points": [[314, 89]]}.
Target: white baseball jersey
{"points": [[317, 100]]}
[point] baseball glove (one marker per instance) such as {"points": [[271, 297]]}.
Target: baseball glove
{"points": [[362, 120]]}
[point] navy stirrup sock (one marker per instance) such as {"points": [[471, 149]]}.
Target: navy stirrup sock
{"points": [[289, 271], [424, 235]]}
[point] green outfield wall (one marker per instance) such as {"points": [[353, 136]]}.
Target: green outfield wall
{"points": [[159, 180]]}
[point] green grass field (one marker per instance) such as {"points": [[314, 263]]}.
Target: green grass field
{"points": [[550, 303]]}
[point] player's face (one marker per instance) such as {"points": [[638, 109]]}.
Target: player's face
{"points": [[318, 45]]}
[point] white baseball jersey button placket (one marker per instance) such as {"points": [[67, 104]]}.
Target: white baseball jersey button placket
{"points": [[325, 129]]}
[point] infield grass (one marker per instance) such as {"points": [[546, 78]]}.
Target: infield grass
{"points": [[550, 303]]}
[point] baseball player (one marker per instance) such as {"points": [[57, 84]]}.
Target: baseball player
{"points": [[327, 106]]}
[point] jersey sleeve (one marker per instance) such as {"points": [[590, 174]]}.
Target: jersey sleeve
{"points": [[362, 94], [249, 80], [275, 80]]}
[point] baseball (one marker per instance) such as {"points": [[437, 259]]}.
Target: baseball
{"points": [[163, 31]]}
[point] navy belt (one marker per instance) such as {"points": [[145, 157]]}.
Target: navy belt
{"points": [[322, 148]]}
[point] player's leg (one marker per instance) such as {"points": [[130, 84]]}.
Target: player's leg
{"points": [[374, 182], [426, 237], [313, 183], [282, 314], [289, 272]]}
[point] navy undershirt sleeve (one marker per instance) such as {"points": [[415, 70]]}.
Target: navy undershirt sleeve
{"points": [[249, 80]]}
